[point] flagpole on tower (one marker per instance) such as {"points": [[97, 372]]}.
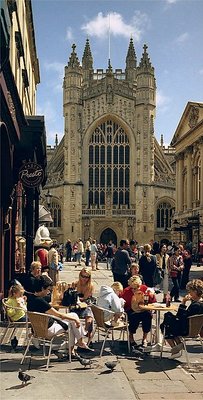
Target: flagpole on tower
{"points": [[109, 36]]}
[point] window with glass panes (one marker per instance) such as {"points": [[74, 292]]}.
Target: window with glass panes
{"points": [[55, 211], [164, 215], [109, 165]]}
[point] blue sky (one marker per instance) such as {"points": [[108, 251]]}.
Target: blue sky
{"points": [[172, 29]]}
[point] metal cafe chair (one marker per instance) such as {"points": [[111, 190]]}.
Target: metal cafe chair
{"points": [[40, 324], [13, 324], [108, 328], [195, 326]]}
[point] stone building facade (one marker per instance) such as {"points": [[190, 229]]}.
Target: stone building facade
{"points": [[188, 143], [108, 177]]}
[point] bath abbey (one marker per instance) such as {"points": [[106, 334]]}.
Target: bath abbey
{"points": [[109, 178]]}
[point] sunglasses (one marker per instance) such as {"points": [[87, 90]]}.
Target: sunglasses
{"points": [[85, 276]]}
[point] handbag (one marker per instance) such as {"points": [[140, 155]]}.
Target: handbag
{"points": [[157, 278], [70, 297], [173, 273]]}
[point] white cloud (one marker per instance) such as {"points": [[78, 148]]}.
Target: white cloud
{"points": [[99, 25], [162, 101], [58, 68], [48, 110], [69, 34], [182, 38], [171, 1]]}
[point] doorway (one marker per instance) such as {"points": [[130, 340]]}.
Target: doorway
{"points": [[107, 235]]}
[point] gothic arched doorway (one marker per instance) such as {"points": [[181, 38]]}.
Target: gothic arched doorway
{"points": [[107, 235]]}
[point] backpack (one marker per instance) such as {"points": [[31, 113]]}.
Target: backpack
{"points": [[70, 297]]}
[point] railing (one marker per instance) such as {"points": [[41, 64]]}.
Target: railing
{"points": [[114, 213]]}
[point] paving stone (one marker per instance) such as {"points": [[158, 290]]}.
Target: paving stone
{"points": [[157, 386], [173, 396], [194, 386]]}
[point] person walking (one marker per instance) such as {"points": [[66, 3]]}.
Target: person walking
{"points": [[148, 264], [175, 266], [68, 247], [87, 251], [121, 263], [162, 262], [109, 254], [93, 255]]}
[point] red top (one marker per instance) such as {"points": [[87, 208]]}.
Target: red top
{"points": [[43, 256], [128, 294]]}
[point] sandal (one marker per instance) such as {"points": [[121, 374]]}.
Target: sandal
{"points": [[84, 346]]}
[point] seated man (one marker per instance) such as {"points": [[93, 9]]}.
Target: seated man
{"points": [[37, 303], [177, 325]]}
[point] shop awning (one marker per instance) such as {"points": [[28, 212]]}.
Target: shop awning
{"points": [[44, 214]]}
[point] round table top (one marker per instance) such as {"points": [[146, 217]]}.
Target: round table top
{"points": [[159, 307]]}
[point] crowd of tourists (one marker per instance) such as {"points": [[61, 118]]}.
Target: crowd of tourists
{"points": [[138, 271]]}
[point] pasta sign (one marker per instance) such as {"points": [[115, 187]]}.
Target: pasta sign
{"points": [[31, 174]]}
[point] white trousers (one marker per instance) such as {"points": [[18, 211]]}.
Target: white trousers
{"points": [[75, 333]]}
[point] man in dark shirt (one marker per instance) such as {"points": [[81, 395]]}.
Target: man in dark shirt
{"points": [[121, 264], [37, 302]]}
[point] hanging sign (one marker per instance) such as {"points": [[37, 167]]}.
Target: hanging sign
{"points": [[31, 174]]}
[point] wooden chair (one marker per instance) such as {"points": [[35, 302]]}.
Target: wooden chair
{"points": [[107, 327], [195, 327], [40, 323], [13, 324]]}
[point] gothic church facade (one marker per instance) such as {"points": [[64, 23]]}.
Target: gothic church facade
{"points": [[109, 178]]}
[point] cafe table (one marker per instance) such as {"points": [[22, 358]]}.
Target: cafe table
{"points": [[158, 308], [58, 306]]}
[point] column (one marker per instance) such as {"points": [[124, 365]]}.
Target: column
{"points": [[189, 177], [201, 182], [179, 185]]}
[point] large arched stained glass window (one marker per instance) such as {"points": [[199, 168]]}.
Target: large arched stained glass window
{"points": [[109, 165]]}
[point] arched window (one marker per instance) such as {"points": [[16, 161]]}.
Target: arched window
{"points": [[164, 215], [109, 165], [55, 210]]}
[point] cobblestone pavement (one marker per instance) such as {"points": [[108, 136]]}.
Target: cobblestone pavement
{"points": [[137, 375]]}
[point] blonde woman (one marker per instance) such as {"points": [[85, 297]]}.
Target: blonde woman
{"points": [[85, 291], [134, 300]]}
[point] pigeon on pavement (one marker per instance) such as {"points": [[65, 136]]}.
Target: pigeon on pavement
{"points": [[14, 342], [24, 378], [111, 365], [85, 362]]}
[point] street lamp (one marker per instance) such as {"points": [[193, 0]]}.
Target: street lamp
{"points": [[48, 196]]}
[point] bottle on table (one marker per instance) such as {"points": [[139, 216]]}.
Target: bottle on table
{"points": [[168, 300]]}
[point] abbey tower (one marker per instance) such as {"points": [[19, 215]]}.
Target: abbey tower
{"points": [[109, 178]]}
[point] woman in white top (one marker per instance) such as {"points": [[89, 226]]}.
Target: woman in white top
{"points": [[93, 254], [162, 262]]}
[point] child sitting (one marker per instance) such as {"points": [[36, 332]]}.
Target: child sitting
{"points": [[109, 299], [16, 299]]}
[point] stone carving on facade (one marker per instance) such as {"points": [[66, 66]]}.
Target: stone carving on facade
{"points": [[193, 117], [109, 94], [11, 106]]}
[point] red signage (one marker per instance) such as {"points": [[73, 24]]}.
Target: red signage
{"points": [[31, 174]]}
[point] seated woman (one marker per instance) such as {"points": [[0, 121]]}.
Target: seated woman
{"points": [[85, 291], [134, 297], [109, 299], [37, 303], [177, 325]]}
